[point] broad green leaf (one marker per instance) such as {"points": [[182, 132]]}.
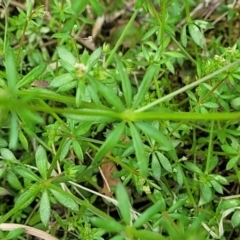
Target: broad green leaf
{"points": [[126, 84], [210, 105], [33, 75], [26, 173], [81, 91], [164, 162], [63, 36], [184, 35], [119, 237], [156, 167], [61, 80], [196, 34], [108, 225], [95, 56], [123, 204], [140, 152], [228, 149], [228, 203], [193, 167], [156, 134], [236, 218], [145, 84], [77, 149], [41, 161], [13, 136], [26, 198], [150, 32], [67, 86], [107, 93], [66, 201], [206, 195], [147, 235], [147, 214], [179, 175], [13, 180], [111, 141], [7, 155], [65, 149], [232, 162], [11, 70], [66, 55], [23, 140], [15, 233], [220, 179], [45, 208], [217, 187]]}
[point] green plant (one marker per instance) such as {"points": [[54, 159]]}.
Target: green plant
{"points": [[160, 115]]}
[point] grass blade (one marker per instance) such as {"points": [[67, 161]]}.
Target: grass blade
{"points": [[126, 85], [140, 153], [110, 142], [144, 87]]}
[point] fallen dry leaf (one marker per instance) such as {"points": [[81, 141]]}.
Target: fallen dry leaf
{"points": [[107, 169]]}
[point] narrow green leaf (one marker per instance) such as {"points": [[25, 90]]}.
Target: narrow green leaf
{"points": [[26, 173], [236, 219], [147, 214], [140, 152], [154, 133], [65, 149], [61, 80], [65, 200], [147, 235], [107, 93], [7, 154], [77, 149], [26, 198], [41, 161], [45, 208], [206, 195], [23, 140], [110, 142], [192, 167], [15, 233], [228, 149], [217, 186], [196, 35], [156, 167], [11, 70], [66, 55], [95, 56], [108, 225], [184, 35], [13, 136], [123, 204], [13, 180], [232, 162], [33, 75], [145, 84], [179, 175], [126, 84], [164, 162]]}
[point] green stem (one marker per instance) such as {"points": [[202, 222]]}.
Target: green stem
{"points": [[210, 146], [191, 198], [109, 59], [188, 16], [188, 87]]}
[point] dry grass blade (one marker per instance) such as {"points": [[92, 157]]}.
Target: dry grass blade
{"points": [[29, 230]]}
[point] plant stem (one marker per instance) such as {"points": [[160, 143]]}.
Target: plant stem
{"points": [[109, 59], [210, 146], [188, 87]]}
